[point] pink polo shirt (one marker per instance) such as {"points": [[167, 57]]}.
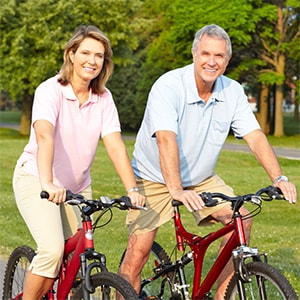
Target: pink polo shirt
{"points": [[77, 131]]}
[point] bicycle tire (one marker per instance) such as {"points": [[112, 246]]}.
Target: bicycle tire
{"points": [[275, 285], [15, 272], [107, 285], [164, 286]]}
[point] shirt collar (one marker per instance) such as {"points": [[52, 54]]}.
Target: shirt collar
{"points": [[69, 94], [191, 88]]}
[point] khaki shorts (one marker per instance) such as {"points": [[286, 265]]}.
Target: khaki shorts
{"points": [[160, 210], [49, 224]]}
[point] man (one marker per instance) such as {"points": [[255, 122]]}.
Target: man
{"points": [[188, 116]]}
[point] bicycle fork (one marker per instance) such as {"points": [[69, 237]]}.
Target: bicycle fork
{"points": [[86, 270], [182, 287], [239, 256]]}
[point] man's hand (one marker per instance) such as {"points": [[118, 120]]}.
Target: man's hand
{"points": [[288, 189], [189, 198], [137, 199]]}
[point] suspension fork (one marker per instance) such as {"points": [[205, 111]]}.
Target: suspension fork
{"points": [[239, 256], [241, 273]]}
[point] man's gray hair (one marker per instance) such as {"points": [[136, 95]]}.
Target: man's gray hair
{"points": [[213, 31]]}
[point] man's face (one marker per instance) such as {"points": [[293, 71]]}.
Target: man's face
{"points": [[211, 58]]}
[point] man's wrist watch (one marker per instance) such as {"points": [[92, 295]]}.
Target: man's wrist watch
{"points": [[133, 189], [280, 178]]}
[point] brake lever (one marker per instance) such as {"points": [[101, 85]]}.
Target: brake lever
{"points": [[139, 207], [106, 200], [273, 193], [208, 199], [125, 203]]}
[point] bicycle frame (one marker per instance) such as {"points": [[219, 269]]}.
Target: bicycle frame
{"points": [[199, 247], [80, 243]]}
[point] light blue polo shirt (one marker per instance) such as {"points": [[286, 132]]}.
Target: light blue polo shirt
{"points": [[201, 129]]}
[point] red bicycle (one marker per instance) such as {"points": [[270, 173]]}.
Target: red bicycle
{"points": [[253, 277], [83, 273]]}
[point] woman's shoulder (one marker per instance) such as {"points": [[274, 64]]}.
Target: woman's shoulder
{"points": [[106, 95], [50, 83]]}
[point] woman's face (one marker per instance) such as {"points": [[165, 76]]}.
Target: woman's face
{"points": [[87, 60]]}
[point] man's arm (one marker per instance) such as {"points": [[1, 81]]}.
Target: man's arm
{"points": [[170, 168], [261, 148]]}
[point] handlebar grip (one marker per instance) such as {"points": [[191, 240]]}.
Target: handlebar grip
{"points": [[125, 202], [44, 195]]}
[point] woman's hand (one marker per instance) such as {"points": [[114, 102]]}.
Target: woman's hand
{"points": [[57, 194]]}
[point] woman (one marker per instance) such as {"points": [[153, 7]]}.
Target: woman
{"points": [[71, 111]]}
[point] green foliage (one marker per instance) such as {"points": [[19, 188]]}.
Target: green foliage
{"points": [[271, 77], [148, 37], [34, 33]]}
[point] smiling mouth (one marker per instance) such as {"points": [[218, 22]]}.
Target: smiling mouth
{"points": [[210, 70], [89, 69]]}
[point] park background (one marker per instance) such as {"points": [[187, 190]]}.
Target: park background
{"points": [[149, 38]]}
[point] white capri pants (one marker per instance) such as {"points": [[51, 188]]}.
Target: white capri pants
{"points": [[48, 223]]}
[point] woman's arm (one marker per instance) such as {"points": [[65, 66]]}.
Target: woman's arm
{"points": [[117, 152], [44, 132]]}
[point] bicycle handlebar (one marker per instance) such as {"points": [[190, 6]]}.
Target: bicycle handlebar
{"points": [[104, 202], [268, 193]]}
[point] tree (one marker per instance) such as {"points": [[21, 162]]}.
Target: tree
{"points": [[33, 34], [278, 36], [150, 37], [263, 34]]}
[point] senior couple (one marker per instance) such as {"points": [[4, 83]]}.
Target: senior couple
{"points": [[189, 113]]}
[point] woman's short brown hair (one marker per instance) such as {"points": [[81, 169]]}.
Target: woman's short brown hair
{"points": [[88, 31]]}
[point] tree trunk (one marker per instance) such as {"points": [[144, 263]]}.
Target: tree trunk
{"points": [[296, 100], [296, 112], [25, 121], [278, 124], [263, 114]]}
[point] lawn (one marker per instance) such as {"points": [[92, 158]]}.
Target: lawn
{"points": [[10, 117], [275, 230]]}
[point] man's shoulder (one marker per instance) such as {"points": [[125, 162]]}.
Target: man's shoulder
{"points": [[226, 79], [225, 82], [177, 73]]}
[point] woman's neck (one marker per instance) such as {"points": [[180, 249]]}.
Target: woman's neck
{"points": [[81, 90]]}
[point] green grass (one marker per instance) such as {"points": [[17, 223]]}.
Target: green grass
{"points": [[10, 117], [275, 230]]}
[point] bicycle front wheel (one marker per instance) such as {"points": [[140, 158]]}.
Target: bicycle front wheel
{"points": [[15, 272], [266, 283], [108, 286]]}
